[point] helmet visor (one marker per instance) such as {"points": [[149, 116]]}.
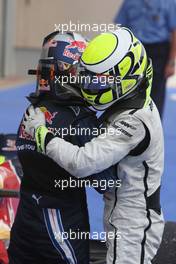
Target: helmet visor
{"points": [[54, 76], [94, 83], [53, 70]]}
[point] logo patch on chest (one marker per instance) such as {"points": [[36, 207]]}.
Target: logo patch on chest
{"points": [[48, 115]]}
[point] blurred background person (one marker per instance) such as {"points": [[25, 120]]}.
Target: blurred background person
{"points": [[154, 23]]}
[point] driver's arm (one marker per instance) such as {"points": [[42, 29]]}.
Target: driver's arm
{"points": [[101, 152]]}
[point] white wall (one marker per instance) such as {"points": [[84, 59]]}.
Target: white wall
{"points": [[28, 21]]}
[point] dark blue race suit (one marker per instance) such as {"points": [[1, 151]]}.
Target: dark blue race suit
{"points": [[51, 222]]}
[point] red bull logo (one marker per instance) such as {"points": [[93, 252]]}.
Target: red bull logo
{"points": [[80, 45], [48, 115], [24, 135]]}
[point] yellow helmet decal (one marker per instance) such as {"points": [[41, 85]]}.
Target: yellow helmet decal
{"points": [[106, 97], [127, 85], [89, 97], [128, 80], [94, 53], [124, 66]]}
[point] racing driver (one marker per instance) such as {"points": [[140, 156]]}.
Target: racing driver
{"points": [[52, 216], [133, 142]]}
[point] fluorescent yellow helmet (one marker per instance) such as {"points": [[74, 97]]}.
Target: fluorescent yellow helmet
{"points": [[115, 64]]}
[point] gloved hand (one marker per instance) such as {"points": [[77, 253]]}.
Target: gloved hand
{"points": [[35, 125], [33, 119]]}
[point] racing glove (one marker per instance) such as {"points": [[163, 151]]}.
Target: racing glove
{"points": [[35, 125]]}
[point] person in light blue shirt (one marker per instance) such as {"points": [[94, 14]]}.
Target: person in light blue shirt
{"points": [[154, 23]]}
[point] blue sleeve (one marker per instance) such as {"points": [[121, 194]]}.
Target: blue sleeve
{"points": [[101, 181], [121, 17], [171, 15]]}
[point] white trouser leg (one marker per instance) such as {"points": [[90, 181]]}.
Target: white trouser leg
{"points": [[140, 231]]}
